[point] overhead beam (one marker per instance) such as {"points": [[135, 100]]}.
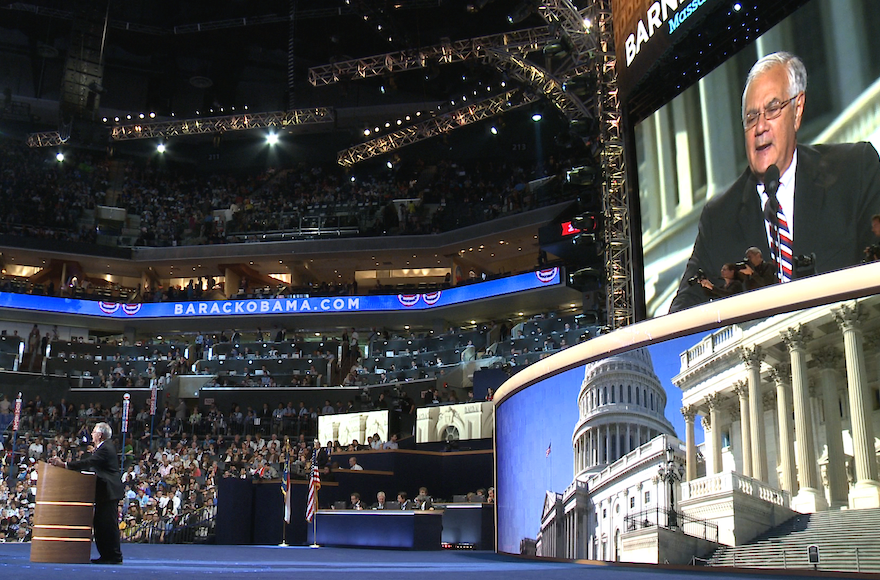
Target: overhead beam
{"points": [[202, 126], [439, 125], [520, 42]]}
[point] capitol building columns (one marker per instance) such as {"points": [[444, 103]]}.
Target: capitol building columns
{"points": [[866, 491], [714, 402], [689, 414], [781, 378], [752, 357], [810, 497], [742, 392], [829, 380]]}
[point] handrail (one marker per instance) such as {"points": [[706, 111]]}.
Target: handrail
{"points": [[672, 520]]}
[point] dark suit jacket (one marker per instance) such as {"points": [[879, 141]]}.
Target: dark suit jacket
{"points": [[837, 190], [104, 462]]}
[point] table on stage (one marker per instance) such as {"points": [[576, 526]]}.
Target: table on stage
{"points": [[410, 530]]}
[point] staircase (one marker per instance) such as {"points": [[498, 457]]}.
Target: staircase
{"points": [[848, 540]]}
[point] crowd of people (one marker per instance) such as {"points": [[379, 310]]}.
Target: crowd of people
{"points": [[171, 483], [177, 206], [43, 198]]}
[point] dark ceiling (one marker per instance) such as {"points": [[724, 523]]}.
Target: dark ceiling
{"points": [[155, 47]]}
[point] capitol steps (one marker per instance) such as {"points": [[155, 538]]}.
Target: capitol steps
{"points": [[836, 533]]}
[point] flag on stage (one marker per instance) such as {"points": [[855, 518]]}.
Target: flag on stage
{"points": [[285, 489], [314, 486]]}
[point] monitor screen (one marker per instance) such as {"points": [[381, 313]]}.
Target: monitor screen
{"points": [[733, 406], [697, 186]]}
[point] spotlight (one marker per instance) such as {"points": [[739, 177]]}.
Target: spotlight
{"points": [[272, 139], [366, 132], [389, 165], [494, 130], [537, 116], [160, 148], [59, 156]]}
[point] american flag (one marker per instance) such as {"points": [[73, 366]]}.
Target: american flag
{"points": [[285, 489], [314, 486], [549, 445]]}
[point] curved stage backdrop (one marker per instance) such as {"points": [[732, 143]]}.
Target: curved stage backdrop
{"points": [[572, 442]]}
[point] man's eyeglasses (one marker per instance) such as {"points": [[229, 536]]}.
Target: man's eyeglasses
{"points": [[770, 113]]}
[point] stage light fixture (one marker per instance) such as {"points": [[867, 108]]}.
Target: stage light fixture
{"points": [[272, 139]]}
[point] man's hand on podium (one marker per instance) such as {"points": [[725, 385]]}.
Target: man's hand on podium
{"points": [[56, 461]]}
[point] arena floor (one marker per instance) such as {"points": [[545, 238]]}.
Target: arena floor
{"points": [[269, 562]]}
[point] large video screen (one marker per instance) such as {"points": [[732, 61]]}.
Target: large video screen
{"points": [[581, 454], [692, 158]]}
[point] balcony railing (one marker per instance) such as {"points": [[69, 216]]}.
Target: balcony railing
{"points": [[672, 520]]}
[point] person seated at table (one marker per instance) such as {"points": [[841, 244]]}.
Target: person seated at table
{"points": [[423, 501], [405, 504], [353, 464], [380, 501], [356, 503]]}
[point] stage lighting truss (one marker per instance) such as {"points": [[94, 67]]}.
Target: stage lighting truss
{"points": [[541, 80], [572, 25], [202, 126], [438, 125], [520, 42], [620, 293]]}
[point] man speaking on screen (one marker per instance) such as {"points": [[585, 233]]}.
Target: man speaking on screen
{"points": [[793, 200]]}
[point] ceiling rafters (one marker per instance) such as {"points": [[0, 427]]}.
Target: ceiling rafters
{"points": [[519, 42], [201, 126], [439, 125]]}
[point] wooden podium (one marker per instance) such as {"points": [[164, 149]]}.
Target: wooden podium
{"points": [[63, 516]]}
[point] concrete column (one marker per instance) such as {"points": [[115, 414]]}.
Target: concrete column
{"points": [[607, 444], [810, 497], [745, 429], [617, 453], [866, 492], [714, 402], [752, 358], [782, 377], [828, 360], [689, 412], [629, 446]]}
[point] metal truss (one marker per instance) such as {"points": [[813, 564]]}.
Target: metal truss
{"points": [[520, 42], [436, 126], [208, 125], [572, 25], [45, 139], [242, 122], [620, 294], [551, 87]]}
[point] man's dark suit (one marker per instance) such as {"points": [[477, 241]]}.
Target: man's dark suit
{"points": [[837, 190], [108, 491]]}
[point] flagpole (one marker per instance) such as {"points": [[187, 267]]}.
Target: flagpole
{"points": [[286, 482], [314, 486], [315, 543]]}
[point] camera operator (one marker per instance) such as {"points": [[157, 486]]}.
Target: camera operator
{"points": [[731, 284], [754, 272], [872, 252]]}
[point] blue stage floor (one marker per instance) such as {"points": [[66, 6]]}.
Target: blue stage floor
{"points": [[264, 562]]}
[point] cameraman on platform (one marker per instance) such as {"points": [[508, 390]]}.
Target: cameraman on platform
{"points": [[731, 284], [755, 272]]}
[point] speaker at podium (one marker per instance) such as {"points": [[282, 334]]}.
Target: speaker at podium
{"points": [[63, 516]]}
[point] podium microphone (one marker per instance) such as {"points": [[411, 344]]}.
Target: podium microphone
{"points": [[771, 212]]}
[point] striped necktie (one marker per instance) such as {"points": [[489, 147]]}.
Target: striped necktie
{"points": [[784, 241]]}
